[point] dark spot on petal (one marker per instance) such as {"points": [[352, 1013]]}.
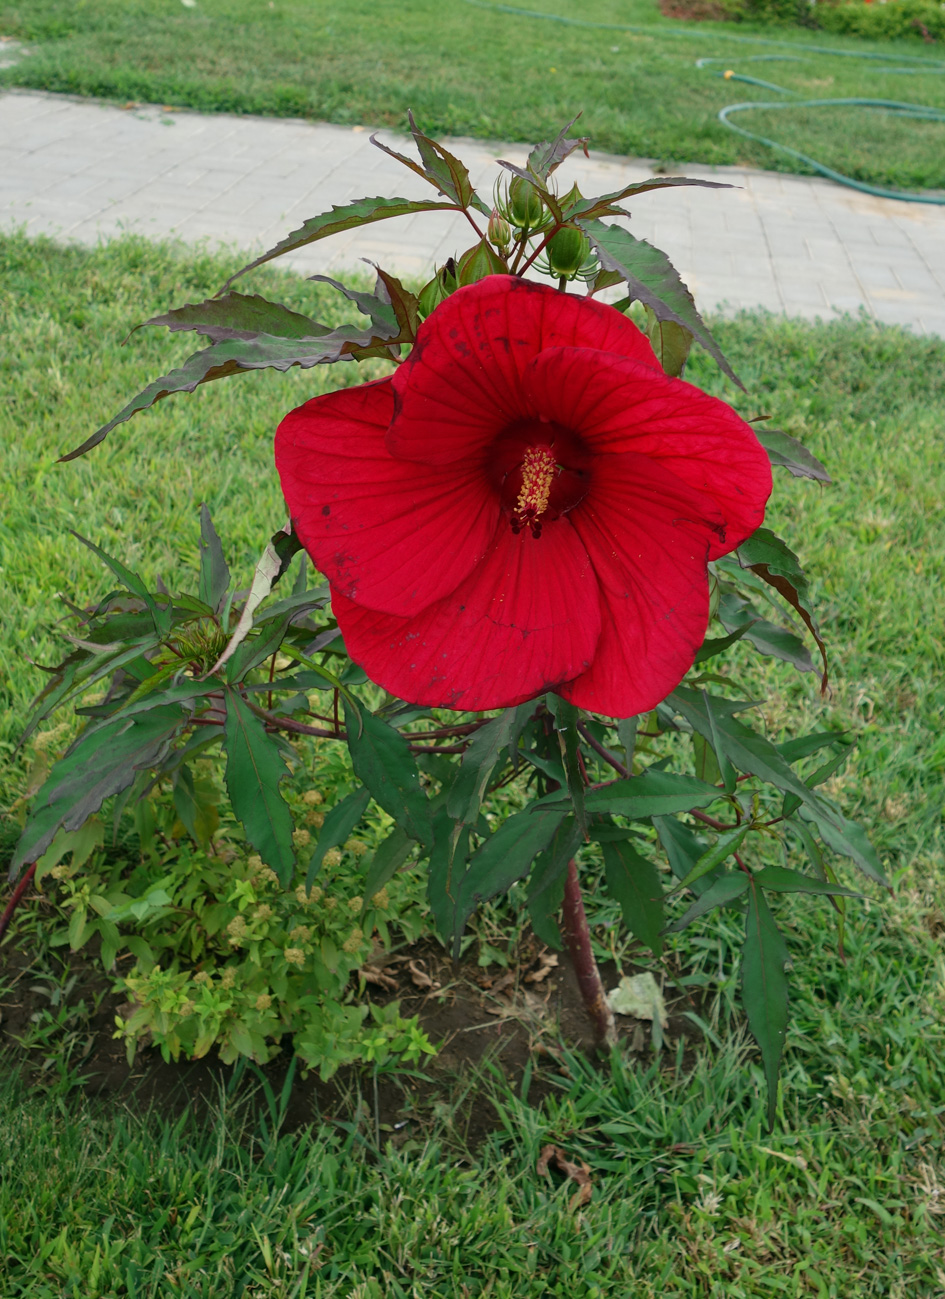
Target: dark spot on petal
{"points": [[326, 509]]}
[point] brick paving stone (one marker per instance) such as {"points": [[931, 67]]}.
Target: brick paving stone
{"points": [[86, 170]]}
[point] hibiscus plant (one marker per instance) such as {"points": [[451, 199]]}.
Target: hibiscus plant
{"points": [[535, 541]]}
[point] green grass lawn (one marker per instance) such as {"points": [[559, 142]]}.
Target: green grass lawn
{"points": [[472, 70], [691, 1197]]}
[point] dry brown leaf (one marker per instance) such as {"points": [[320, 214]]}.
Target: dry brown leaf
{"points": [[547, 961], [420, 978], [580, 1173], [371, 974]]}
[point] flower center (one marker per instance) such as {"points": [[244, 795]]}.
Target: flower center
{"points": [[540, 470]]}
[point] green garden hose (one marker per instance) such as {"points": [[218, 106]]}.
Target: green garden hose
{"points": [[917, 65]]}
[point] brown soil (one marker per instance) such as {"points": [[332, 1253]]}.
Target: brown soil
{"points": [[503, 1016], [694, 11]]}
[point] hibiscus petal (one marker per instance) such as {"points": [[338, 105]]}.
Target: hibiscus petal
{"points": [[619, 405], [648, 535], [391, 533], [462, 383], [526, 620]]}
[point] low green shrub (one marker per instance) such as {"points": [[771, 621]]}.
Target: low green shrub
{"points": [[883, 19], [224, 956]]}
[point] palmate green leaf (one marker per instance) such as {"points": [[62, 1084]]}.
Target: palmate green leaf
{"points": [[364, 211], [720, 893], [634, 882], [652, 280], [338, 824], [104, 760], [505, 857], [237, 356], [764, 988], [254, 770], [787, 453], [382, 760], [214, 571], [766, 555], [546, 882], [236, 315]]}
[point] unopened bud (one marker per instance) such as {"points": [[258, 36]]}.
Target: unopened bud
{"points": [[440, 287], [525, 206], [499, 232], [567, 250]]}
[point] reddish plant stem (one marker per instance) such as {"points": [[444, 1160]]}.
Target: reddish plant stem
{"points": [[577, 935], [14, 902]]}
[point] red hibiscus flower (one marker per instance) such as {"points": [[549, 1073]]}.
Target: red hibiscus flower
{"points": [[527, 504]]}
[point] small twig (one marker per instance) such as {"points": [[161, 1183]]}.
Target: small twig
{"points": [[609, 758], [16, 899]]}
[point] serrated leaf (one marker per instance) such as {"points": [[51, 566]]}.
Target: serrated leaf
{"points": [[653, 793], [720, 893], [849, 840], [566, 719], [787, 453], [382, 760], [256, 649], [214, 571], [746, 749], [254, 771], [362, 211], [546, 882], [388, 857], [652, 280], [101, 762], [376, 306], [805, 745], [337, 826], [770, 558], [601, 205], [161, 618], [634, 882], [443, 170], [546, 156], [781, 880], [727, 844], [683, 848], [504, 858], [235, 315], [447, 864], [741, 619], [235, 356], [765, 989], [478, 763]]}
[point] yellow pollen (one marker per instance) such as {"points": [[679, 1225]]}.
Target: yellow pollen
{"points": [[538, 473]]}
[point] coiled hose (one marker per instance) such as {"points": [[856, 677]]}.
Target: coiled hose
{"points": [[917, 65]]}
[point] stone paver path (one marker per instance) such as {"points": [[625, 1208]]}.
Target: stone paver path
{"points": [[85, 170]]}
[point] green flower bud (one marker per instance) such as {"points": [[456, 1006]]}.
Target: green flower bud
{"points": [[440, 287], [499, 232], [567, 250], [525, 205]]}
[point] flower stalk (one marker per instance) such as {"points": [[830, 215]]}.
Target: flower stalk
{"points": [[577, 935]]}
